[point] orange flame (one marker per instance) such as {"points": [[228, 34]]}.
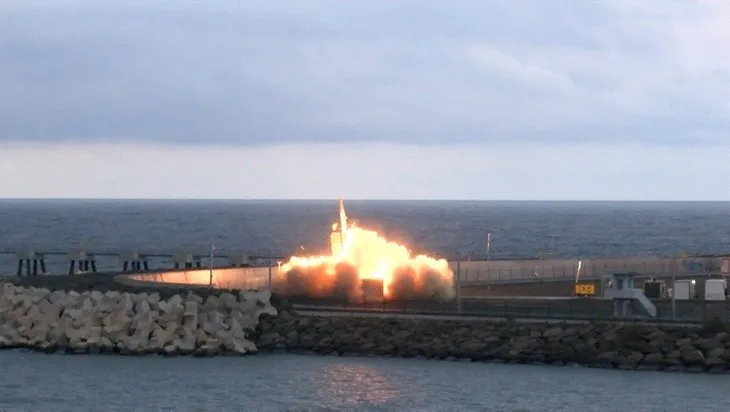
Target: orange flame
{"points": [[374, 257]]}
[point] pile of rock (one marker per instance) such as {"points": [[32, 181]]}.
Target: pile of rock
{"points": [[596, 345], [129, 323]]}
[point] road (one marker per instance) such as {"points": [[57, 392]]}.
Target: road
{"points": [[467, 318]]}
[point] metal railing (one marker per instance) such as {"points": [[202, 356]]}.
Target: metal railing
{"points": [[566, 309]]}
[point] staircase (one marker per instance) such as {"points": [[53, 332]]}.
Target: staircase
{"points": [[646, 304], [622, 289]]}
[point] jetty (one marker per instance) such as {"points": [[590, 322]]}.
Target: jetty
{"points": [[33, 262]]}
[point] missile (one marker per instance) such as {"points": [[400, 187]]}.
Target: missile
{"points": [[343, 219]]}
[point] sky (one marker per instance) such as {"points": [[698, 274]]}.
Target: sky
{"points": [[402, 99]]}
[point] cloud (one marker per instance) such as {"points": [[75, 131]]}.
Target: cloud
{"points": [[505, 171], [414, 72]]}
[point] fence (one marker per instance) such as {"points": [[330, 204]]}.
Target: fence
{"points": [[520, 271], [537, 308]]}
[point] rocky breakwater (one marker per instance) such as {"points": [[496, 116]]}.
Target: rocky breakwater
{"points": [[130, 323], [630, 346]]}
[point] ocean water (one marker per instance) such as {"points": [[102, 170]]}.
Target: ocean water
{"points": [[452, 229], [59, 383], [38, 382]]}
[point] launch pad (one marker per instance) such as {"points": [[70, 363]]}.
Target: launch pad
{"points": [[363, 265]]}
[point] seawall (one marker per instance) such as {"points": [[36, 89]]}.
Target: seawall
{"points": [[130, 323], [70, 315], [605, 345]]}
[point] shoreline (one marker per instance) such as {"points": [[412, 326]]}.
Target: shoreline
{"points": [[210, 322]]}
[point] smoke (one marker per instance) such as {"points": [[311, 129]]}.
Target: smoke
{"points": [[343, 281], [365, 265]]}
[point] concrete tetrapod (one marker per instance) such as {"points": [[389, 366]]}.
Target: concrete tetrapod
{"points": [[127, 323]]}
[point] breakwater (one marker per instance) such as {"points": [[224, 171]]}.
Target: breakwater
{"points": [[606, 345], [129, 323], [92, 313]]}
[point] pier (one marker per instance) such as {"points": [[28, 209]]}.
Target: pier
{"points": [[474, 272], [32, 262]]}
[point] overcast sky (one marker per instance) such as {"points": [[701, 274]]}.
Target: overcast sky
{"points": [[419, 99]]}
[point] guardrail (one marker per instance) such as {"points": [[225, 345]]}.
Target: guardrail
{"points": [[567, 309]]}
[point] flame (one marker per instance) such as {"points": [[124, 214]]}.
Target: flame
{"points": [[366, 255]]}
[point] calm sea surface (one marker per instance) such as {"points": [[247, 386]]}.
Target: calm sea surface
{"points": [[519, 229], [36, 382]]}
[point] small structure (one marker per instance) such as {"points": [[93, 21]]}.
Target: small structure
{"points": [[655, 289], [86, 261], [372, 290], [187, 260], [716, 289], [32, 260], [620, 288], [239, 259], [684, 289], [133, 261]]}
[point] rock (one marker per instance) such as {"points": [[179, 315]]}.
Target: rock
{"points": [[692, 357], [719, 353], [552, 333], [163, 336], [685, 343], [170, 350], [270, 341], [228, 301], [211, 303], [190, 313], [714, 361], [185, 342], [708, 345], [653, 359], [634, 358]]}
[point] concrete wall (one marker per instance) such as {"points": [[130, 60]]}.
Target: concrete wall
{"points": [[492, 272], [518, 271], [229, 278]]}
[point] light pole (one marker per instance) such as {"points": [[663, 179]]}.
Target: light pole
{"points": [[674, 288], [457, 279]]}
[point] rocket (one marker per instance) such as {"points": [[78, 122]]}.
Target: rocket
{"points": [[337, 237], [343, 219]]}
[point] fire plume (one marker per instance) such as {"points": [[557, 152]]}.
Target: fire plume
{"points": [[360, 256]]}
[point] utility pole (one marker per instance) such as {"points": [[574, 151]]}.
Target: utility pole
{"points": [[458, 285], [673, 268]]}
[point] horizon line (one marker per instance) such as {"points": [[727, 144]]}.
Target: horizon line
{"points": [[358, 199]]}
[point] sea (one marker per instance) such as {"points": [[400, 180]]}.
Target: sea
{"points": [[454, 229]]}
